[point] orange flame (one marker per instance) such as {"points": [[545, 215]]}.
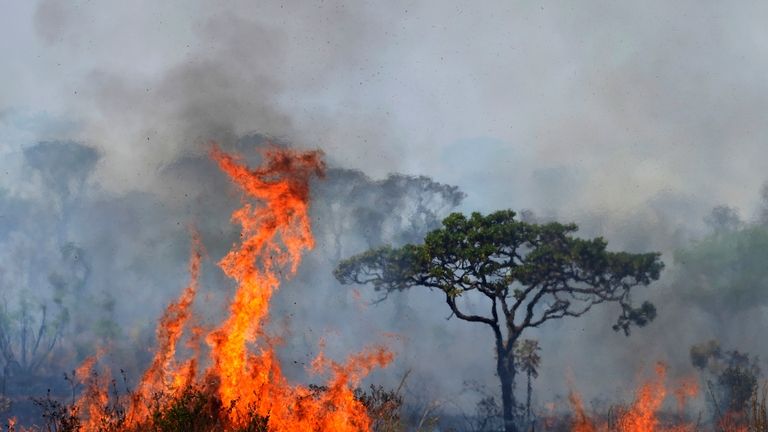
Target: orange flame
{"points": [[283, 185], [94, 399], [687, 389], [581, 422], [161, 375], [641, 415], [275, 232]]}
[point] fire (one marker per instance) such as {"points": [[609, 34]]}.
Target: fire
{"points": [[686, 390], [243, 370], [641, 415], [162, 374], [581, 422]]}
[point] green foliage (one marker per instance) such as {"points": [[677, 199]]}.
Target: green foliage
{"points": [[516, 263], [528, 361], [527, 356], [725, 272]]}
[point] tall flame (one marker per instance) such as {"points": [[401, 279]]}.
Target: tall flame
{"points": [[244, 372], [273, 235]]}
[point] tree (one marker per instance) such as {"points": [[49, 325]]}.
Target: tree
{"points": [[734, 374], [27, 339], [763, 211], [528, 360], [31, 331], [527, 273], [723, 219], [395, 210], [724, 273]]}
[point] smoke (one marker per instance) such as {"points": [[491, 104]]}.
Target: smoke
{"points": [[632, 120], [542, 106]]}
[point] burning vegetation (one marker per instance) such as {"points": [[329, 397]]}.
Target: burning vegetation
{"points": [[229, 377], [241, 385]]}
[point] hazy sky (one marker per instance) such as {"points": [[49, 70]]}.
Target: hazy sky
{"points": [[560, 105]]}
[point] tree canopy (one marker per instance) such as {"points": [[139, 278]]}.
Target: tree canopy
{"points": [[725, 272], [529, 273], [532, 272]]}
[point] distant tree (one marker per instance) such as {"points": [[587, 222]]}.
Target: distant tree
{"points": [[353, 212], [731, 376], [724, 273], [528, 361], [763, 211], [37, 311], [64, 166], [395, 210], [723, 219], [28, 335], [528, 273], [33, 324]]}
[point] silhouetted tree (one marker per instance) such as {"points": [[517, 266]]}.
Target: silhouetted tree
{"points": [[27, 338], [723, 219], [528, 273], [396, 210], [64, 166], [733, 374], [528, 360]]}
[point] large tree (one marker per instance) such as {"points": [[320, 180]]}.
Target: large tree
{"points": [[528, 273]]}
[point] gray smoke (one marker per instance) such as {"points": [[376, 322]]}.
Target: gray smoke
{"points": [[632, 120]]}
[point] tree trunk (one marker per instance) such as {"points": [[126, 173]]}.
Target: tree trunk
{"points": [[528, 400], [505, 368]]}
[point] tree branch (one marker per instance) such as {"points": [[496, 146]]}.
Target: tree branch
{"points": [[451, 300]]}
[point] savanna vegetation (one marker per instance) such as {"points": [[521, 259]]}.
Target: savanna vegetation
{"points": [[520, 273]]}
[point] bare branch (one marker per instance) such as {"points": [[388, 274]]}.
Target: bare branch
{"points": [[472, 318]]}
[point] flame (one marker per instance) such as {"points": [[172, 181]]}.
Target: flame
{"points": [[641, 415], [581, 422], [687, 389], [253, 264], [161, 375], [94, 399], [243, 370]]}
